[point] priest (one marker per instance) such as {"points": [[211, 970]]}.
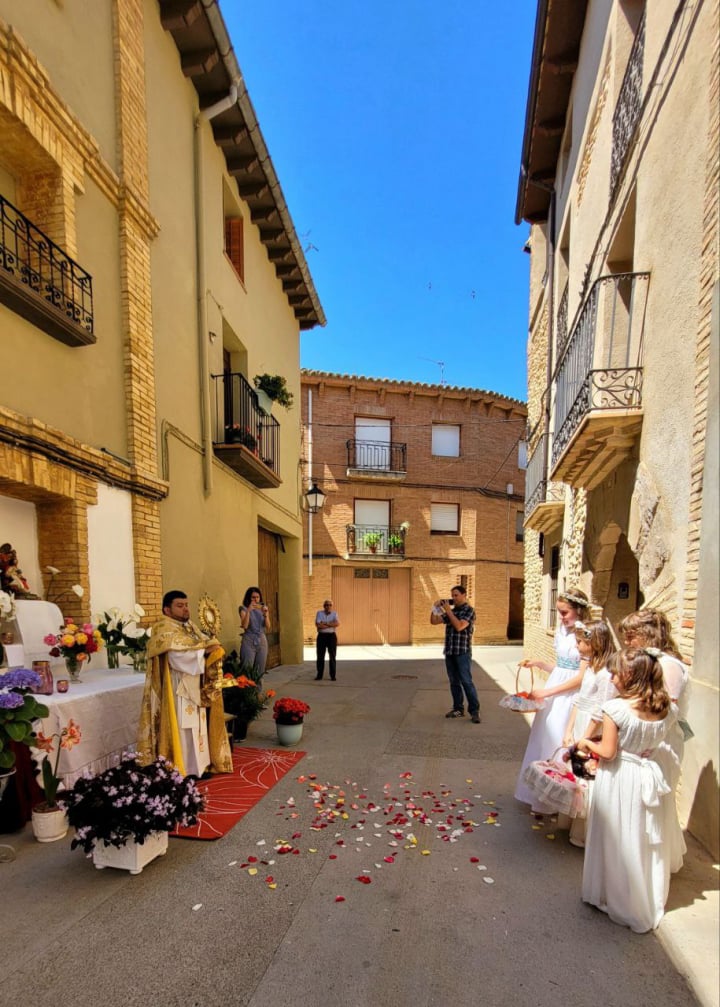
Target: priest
{"points": [[183, 681]]}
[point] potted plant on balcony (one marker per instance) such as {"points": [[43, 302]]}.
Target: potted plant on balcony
{"points": [[373, 540], [272, 388], [395, 543]]}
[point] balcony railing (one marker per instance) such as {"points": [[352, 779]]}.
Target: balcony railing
{"points": [[370, 539], [602, 365], [562, 322], [540, 491], [244, 435], [629, 105], [376, 457], [41, 283]]}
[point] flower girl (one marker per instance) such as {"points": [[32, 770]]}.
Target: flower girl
{"points": [[627, 870]]}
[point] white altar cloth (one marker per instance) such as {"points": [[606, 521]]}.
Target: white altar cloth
{"points": [[105, 705]]}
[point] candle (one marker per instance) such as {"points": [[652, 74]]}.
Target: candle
{"points": [[62, 685]]}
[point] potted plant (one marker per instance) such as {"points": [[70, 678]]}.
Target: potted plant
{"points": [[272, 388], [243, 697], [122, 816], [373, 540], [49, 821], [18, 710], [289, 717], [395, 543], [75, 644]]}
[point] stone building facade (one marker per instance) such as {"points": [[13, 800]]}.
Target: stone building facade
{"points": [[619, 182], [424, 488], [149, 268]]}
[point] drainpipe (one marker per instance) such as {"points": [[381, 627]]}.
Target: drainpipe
{"points": [[206, 434], [310, 453]]}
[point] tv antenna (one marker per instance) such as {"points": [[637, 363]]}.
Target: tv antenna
{"points": [[440, 364]]}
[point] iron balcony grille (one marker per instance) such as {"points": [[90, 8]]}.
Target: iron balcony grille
{"points": [[562, 322], [629, 105], [376, 456], [536, 476], [602, 365], [33, 260], [375, 539], [238, 419]]}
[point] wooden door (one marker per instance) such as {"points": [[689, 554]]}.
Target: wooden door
{"points": [[268, 583], [516, 612], [373, 604]]}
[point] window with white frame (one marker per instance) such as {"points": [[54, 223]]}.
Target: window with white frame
{"points": [[444, 519], [446, 440], [522, 455]]}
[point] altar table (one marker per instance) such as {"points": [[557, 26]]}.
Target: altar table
{"points": [[105, 705]]}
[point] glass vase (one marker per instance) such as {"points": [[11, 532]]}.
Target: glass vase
{"points": [[113, 655], [74, 667], [139, 661]]}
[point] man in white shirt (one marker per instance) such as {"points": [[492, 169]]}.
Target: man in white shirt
{"points": [[326, 623]]}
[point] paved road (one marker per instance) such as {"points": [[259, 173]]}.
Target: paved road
{"points": [[428, 930]]}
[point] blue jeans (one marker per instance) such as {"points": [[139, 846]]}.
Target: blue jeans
{"points": [[460, 675]]}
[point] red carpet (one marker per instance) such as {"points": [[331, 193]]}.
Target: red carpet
{"points": [[229, 796]]}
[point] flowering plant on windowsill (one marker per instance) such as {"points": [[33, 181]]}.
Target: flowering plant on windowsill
{"points": [[130, 802], [290, 711], [67, 737], [18, 710]]}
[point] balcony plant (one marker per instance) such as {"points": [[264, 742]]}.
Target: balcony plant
{"points": [[132, 808], [274, 386], [237, 434], [373, 540], [395, 543]]}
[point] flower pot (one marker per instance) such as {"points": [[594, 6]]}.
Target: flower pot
{"points": [[289, 734], [49, 824], [74, 667], [264, 401], [132, 856]]}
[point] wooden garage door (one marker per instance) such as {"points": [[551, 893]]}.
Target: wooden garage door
{"points": [[373, 604]]}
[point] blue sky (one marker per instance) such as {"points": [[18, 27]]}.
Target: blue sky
{"points": [[396, 130]]}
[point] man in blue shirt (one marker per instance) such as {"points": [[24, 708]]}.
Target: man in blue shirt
{"points": [[459, 620]]}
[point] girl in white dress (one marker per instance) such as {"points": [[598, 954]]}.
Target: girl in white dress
{"points": [[549, 723], [627, 871], [596, 647], [650, 627]]}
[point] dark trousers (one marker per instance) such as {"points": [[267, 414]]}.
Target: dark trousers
{"points": [[326, 642]]}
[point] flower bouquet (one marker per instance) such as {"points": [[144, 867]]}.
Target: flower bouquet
{"points": [[18, 710], [130, 803], [290, 711], [135, 641], [75, 644]]}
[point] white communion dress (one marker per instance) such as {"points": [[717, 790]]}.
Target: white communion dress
{"points": [[549, 724], [627, 869]]}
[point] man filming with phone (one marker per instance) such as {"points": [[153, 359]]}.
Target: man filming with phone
{"points": [[459, 620]]}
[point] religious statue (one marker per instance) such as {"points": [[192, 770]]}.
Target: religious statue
{"points": [[11, 576]]}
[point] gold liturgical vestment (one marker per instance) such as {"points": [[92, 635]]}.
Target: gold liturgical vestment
{"points": [[174, 703]]}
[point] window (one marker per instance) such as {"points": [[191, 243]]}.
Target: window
{"points": [[522, 454], [444, 519], [234, 247], [554, 575], [372, 443], [519, 526], [446, 440]]}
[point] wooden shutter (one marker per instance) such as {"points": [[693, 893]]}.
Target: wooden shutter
{"points": [[234, 244]]}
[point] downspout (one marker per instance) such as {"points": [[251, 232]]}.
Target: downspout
{"points": [[206, 433], [551, 328], [310, 482]]}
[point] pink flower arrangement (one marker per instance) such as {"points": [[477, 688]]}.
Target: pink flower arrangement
{"points": [[74, 641], [290, 711]]}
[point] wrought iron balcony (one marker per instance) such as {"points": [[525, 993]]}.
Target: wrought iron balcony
{"points": [[41, 283], [562, 322], [629, 105], [244, 436], [368, 540], [376, 460], [598, 382], [544, 500]]}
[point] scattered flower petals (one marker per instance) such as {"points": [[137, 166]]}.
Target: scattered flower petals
{"points": [[489, 881], [197, 906], [252, 871], [232, 863], [364, 879], [550, 835], [474, 860], [273, 885], [260, 842], [339, 898]]}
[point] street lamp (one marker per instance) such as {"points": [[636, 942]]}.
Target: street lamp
{"points": [[315, 499]]}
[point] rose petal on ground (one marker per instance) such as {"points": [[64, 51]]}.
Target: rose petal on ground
{"points": [[474, 860], [197, 906], [332, 856], [389, 860], [232, 863], [339, 898], [312, 850], [489, 881], [260, 842], [252, 860], [252, 871], [425, 853], [550, 835], [273, 885], [482, 867], [364, 879]]}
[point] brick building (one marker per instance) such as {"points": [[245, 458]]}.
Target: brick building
{"points": [[619, 182], [424, 489], [149, 269]]}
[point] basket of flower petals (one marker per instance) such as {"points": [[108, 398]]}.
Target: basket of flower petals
{"points": [[557, 787], [519, 701]]}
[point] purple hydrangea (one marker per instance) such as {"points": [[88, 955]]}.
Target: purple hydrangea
{"points": [[20, 678], [11, 700]]}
